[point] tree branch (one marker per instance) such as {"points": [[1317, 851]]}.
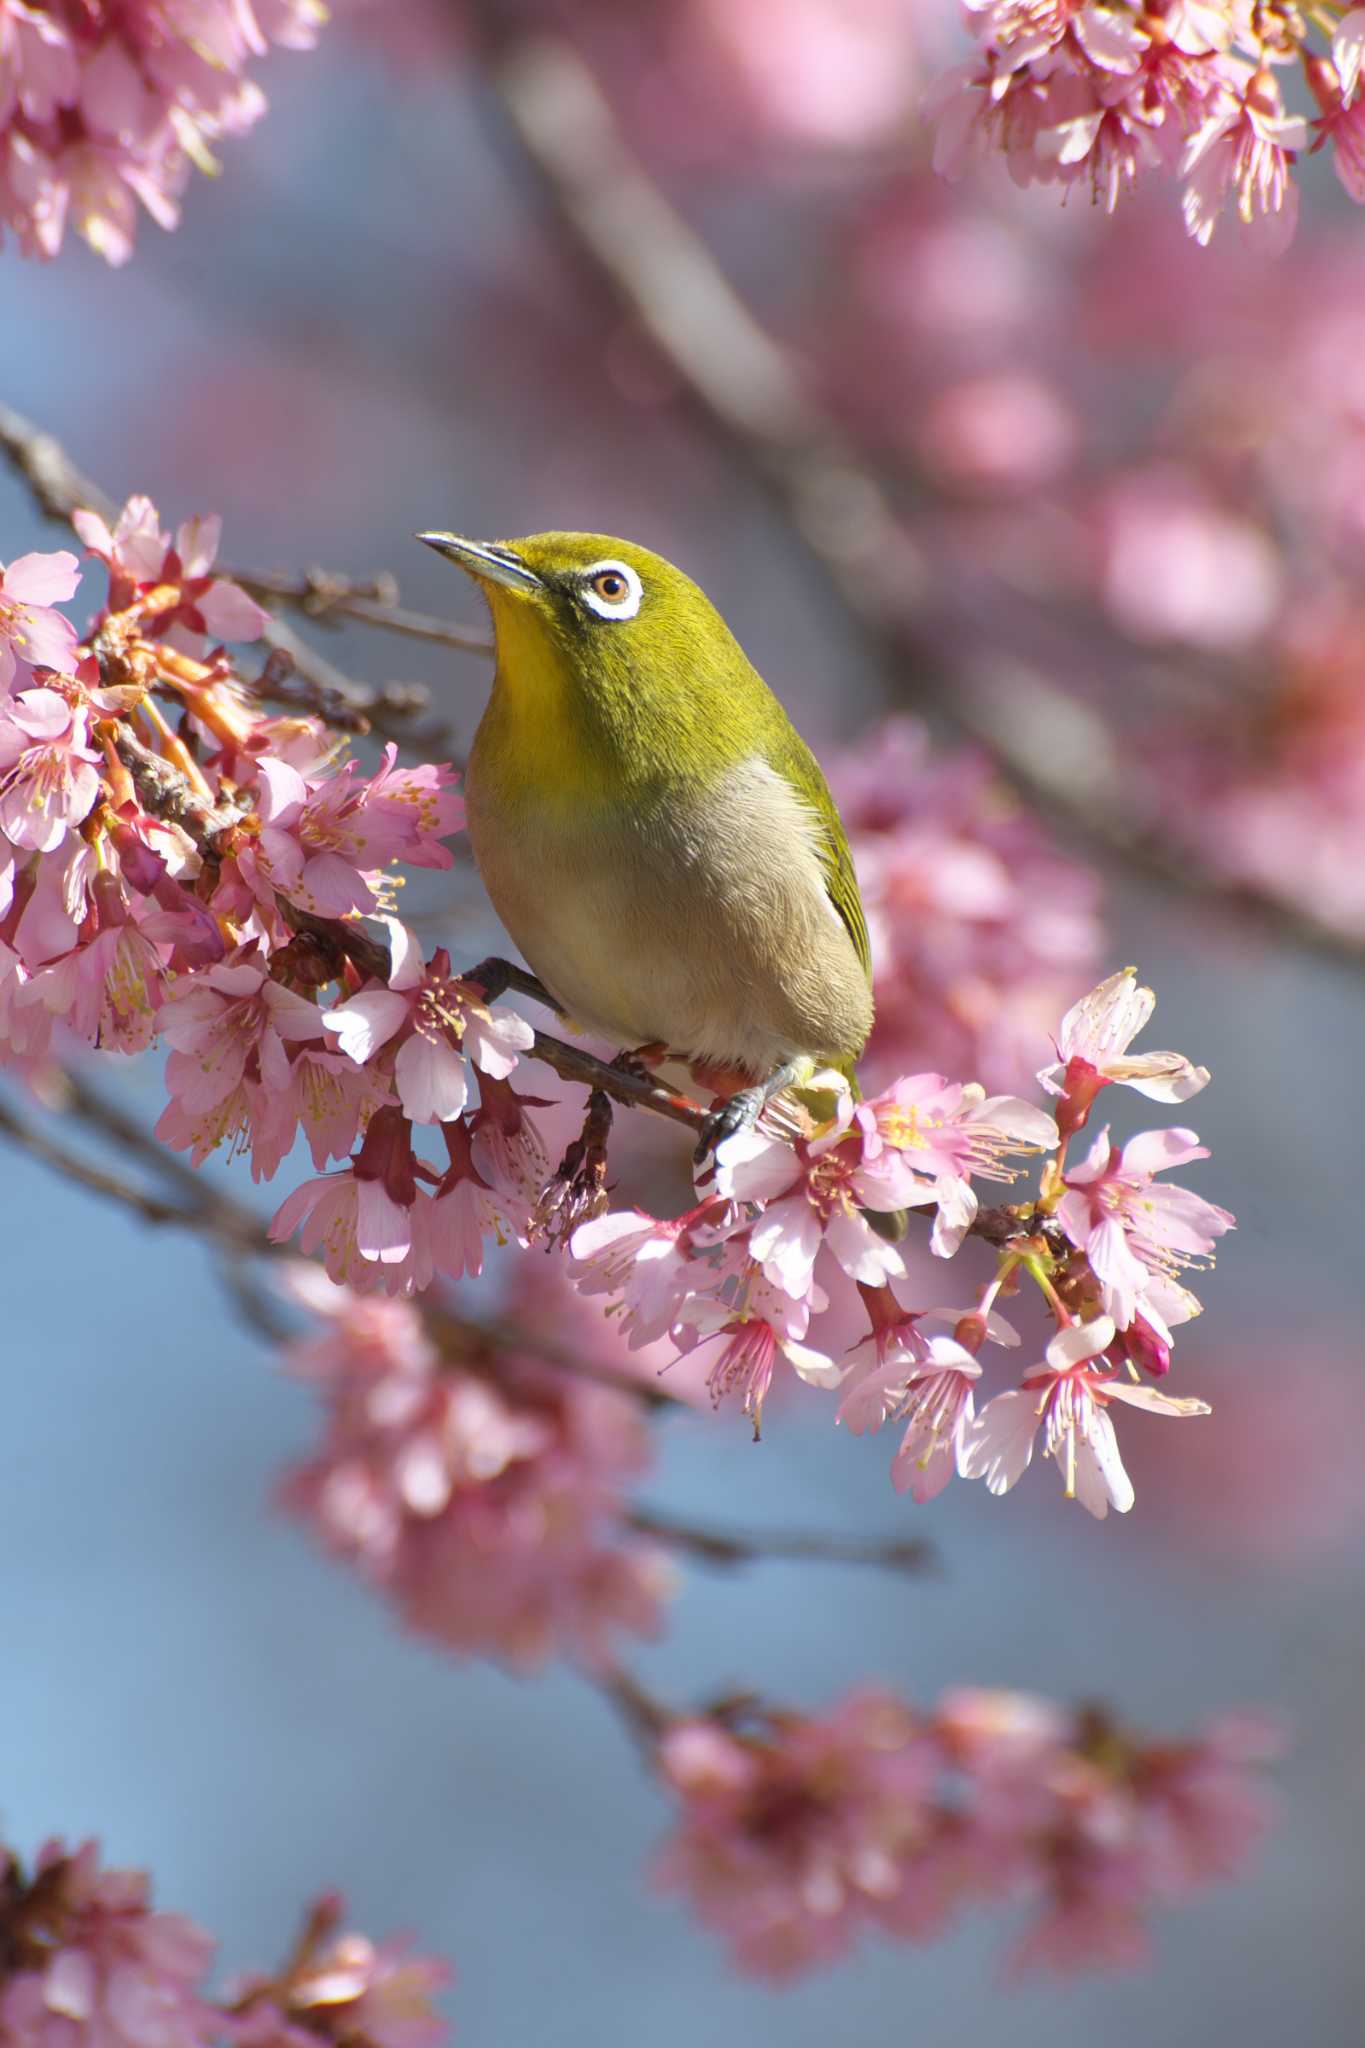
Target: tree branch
{"points": [[59, 489], [237, 1234], [1060, 754], [726, 1548], [326, 595]]}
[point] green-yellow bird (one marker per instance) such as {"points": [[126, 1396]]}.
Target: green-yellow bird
{"points": [[655, 835]]}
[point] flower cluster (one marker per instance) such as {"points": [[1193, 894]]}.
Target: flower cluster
{"points": [[795, 1834], [206, 882], [981, 931], [105, 103], [790, 1230], [84, 1959], [176, 862], [476, 1486], [1103, 94]]}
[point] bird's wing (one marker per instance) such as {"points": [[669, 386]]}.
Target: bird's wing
{"points": [[842, 884], [793, 759]]}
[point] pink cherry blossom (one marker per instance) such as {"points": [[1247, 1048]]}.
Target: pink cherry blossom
{"points": [[481, 1494], [1092, 1051], [816, 1193], [372, 1215], [195, 607], [326, 846], [647, 1264], [32, 633], [930, 1136], [1131, 1228], [441, 1018], [794, 1838], [109, 1969], [117, 102], [229, 1021], [1244, 151], [49, 774], [981, 931], [344, 1989], [1068, 1397], [508, 1148], [762, 1325], [111, 990]]}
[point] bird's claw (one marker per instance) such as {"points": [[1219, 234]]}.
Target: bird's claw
{"points": [[739, 1113]]}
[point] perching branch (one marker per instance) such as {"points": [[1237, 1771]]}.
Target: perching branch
{"points": [[1061, 755]]}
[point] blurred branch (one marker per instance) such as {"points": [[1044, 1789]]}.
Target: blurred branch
{"points": [[151, 1208], [1060, 753], [59, 489], [237, 1234], [644, 1717], [729, 1547], [326, 595]]}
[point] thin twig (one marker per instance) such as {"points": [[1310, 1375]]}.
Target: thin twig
{"points": [[1060, 754], [60, 489], [729, 1547], [237, 1233], [644, 1717], [324, 595]]}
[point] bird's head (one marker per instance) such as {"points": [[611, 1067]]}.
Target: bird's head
{"points": [[604, 607]]}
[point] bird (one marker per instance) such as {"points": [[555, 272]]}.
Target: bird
{"points": [[656, 837]]}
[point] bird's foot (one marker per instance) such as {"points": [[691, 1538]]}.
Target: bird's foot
{"points": [[741, 1111], [737, 1113], [496, 976], [642, 1060], [578, 1191]]}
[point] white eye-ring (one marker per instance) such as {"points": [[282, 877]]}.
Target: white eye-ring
{"points": [[612, 590]]}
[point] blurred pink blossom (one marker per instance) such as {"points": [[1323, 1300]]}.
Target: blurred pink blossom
{"points": [[104, 104], [481, 1493]]}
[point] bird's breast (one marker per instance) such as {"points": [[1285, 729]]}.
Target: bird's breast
{"points": [[698, 916]]}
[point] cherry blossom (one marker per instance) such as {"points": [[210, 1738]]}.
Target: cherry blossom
{"points": [[1092, 1051], [440, 1018], [763, 1324], [480, 1491], [49, 778], [1068, 1398], [32, 634], [814, 1193], [795, 1838], [981, 932], [103, 107], [934, 1135], [796, 1834], [644, 1262], [1131, 1228], [96, 1963]]}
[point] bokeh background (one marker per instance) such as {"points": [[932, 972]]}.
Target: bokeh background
{"points": [[374, 324]]}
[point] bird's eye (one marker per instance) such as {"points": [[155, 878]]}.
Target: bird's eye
{"points": [[612, 590]]}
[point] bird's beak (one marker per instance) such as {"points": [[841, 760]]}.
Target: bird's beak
{"points": [[484, 560]]}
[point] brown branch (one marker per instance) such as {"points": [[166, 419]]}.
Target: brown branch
{"points": [[726, 1548], [644, 1717], [238, 1234], [1059, 753], [60, 489], [326, 595]]}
